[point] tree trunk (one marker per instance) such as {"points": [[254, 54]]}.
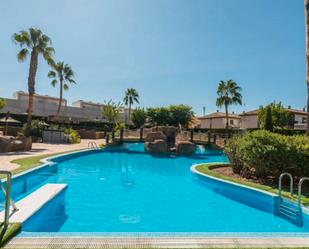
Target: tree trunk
{"points": [[226, 117], [60, 98], [129, 113], [31, 89], [307, 58]]}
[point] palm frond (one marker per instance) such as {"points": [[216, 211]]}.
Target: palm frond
{"points": [[65, 87], [54, 82], [22, 38], [22, 55], [52, 74]]}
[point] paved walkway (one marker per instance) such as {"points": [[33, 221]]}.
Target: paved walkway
{"points": [[140, 242], [39, 149]]}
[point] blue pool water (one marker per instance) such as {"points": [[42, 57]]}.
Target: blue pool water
{"points": [[125, 190]]}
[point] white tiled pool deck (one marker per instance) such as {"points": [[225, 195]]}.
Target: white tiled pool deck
{"points": [[33, 202], [39, 149], [166, 242]]}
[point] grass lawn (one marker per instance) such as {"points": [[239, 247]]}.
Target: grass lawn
{"points": [[31, 162], [206, 169], [10, 232]]}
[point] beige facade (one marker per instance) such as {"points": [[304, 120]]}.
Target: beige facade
{"points": [[46, 106], [249, 120], [22, 96], [300, 120], [217, 120]]}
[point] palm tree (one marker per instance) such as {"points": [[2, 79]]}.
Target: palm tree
{"points": [[35, 43], [228, 94], [131, 97], [63, 74], [307, 58]]}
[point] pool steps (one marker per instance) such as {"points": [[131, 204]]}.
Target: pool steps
{"points": [[289, 210], [33, 202], [290, 213]]}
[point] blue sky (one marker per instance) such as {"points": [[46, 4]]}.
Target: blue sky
{"points": [[171, 51]]}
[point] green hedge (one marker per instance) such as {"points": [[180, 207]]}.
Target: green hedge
{"points": [[269, 154]]}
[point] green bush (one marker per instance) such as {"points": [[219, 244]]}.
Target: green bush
{"points": [[280, 117], [174, 115], [74, 136], [139, 117], [2, 103], [36, 128], [269, 154]]}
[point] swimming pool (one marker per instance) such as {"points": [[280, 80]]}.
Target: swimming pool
{"points": [[124, 190]]}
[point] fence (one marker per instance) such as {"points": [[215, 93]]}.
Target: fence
{"points": [[198, 137]]}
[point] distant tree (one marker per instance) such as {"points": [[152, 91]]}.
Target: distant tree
{"points": [[268, 122], [174, 115], [131, 97], [280, 116], [139, 117], [228, 94], [2, 103], [110, 111], [180, 115], [159, 115], [35, 43], [62, 74]]}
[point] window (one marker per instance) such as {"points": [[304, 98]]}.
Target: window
{"points": [[231, 122]]}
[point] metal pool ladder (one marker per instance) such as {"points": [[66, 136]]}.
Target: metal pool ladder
{"points": [[291, 211], [93, 145], [8, 200]]}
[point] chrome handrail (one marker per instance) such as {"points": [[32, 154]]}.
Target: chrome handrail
{"points": [[299, 189], [280, 183], [11, 200], [93, 145], [7, 196]]}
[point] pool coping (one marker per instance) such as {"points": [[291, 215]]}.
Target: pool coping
{"points": [[32, 203], [189, 235], [167, 242], [47, 161], [193, 169]]}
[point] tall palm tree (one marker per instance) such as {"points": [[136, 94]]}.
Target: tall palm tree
{"points": [[35, 43], [228, 94], [62, 74], [131, 97], [307, 58]]}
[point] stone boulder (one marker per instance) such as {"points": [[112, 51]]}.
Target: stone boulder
{"points": [[157, 146], [185, 148], [155, 135], [8, 144], [168, 131]]}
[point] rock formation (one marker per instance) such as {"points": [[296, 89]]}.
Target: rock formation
{"points": [[165, 139]]}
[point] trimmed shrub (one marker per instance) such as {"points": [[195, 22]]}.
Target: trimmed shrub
{"points": [[268, 123], [139, 117], [74, 137], [269, 154]]}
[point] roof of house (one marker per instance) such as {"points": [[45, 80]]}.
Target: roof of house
{"points": [[255, 112], [219, 115], [38, 95]]}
